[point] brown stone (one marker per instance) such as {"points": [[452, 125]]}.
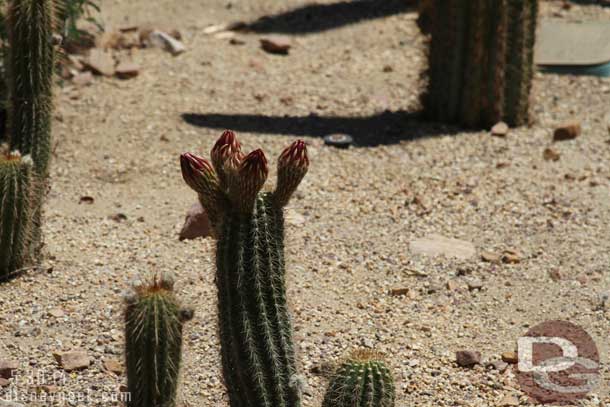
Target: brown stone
{"points": [[491, 257], [100, 62], [196, 223], [510, 357], [4, 382], [550, 155], [467, 358], [567, 131], [56, 312], [511, 257], [499, 129], [113, 366], [509, 401], [395, 292], [276, 45], [127, 70], [74, 360]]}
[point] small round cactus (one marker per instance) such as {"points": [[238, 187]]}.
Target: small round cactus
{"points": [[153, 342], [363, 380]]}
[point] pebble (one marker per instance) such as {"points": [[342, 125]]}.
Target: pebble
{"points": [[74, 360], [276, 45], [567, 131], [510, 357], [467, 358], [499, 129]]}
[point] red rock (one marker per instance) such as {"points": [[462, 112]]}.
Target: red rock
{"points": [[196, 223], [567, 131], [276, 45], [74, 360]]}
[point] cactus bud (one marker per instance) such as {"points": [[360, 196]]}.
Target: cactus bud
{"points": [[200, 176], [252, 174], [226, 147], [291, 168]]}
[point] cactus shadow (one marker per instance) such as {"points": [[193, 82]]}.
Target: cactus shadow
{"points": [[388, 127], [314, 18]]}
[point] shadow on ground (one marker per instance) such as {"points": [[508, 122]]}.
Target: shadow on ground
{"points": [[380, 129], [314, 18]]}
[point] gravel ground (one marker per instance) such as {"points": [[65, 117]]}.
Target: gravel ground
{"points": [[349, 226]]}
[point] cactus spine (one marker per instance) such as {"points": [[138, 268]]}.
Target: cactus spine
{"points": [[480, 61], [16, 183], [153, 343], [30, 78], [258, 358], [362, 381]]}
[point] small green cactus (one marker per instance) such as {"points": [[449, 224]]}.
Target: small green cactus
{"points": [[16, 184], [255, 329], [153, 343], [480, 60], [363, 380]]}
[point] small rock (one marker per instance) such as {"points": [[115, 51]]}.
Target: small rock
{"points": [[395, 292], [491, 257], [475, 284], [113, 366], [510, 357], [167, 42], [498, 365], [508, 401], [56, 312], [8, 368], [555, 275], [196, 223], [82, 79], [118, 217], [567, 131], [76, 62], [100, 62], [225, 35], [452, 285], [467, 358], [388, 68], [499, 129], [435, 245], [511, 257], [4, 382], [86, 199], [550, 155], [127, 70], [109, 40], [276, 45], [74, 360]]}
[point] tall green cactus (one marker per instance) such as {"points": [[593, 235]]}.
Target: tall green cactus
{"points": [[31, 58], [361, 381], [153, 343], [480, 61], [258, 358], [16, 184]]}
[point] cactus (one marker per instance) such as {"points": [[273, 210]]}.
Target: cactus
{"points": [[480, 60], [16, 183], [153, 343], [30, 64], [257, 352], [362, 380]]}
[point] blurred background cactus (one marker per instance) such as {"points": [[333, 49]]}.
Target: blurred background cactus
{"points": [[255, 330], [362, 380], [480, 60], [30, 64], [153, 343], [16, 183]]}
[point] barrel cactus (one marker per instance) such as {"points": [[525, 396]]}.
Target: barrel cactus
{"points": [[153, 343], [480, 60], [257, 351], [363, 380], [16, 184]]}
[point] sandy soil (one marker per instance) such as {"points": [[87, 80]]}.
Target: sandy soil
{"points": [[351, 223]]}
